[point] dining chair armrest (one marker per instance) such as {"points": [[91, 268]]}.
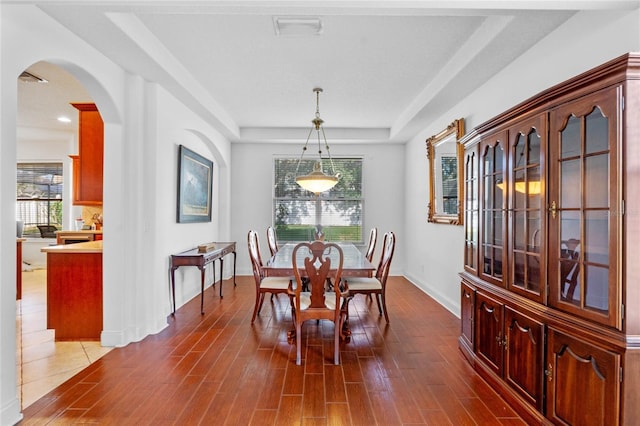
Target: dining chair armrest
{"points": [[344, 286], [291, 290]]}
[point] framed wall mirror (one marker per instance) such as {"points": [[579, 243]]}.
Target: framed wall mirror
{"points": [[445, 156]]}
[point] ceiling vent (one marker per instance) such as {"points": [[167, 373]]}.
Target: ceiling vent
{"points": [[30, 78], [297, 26]]}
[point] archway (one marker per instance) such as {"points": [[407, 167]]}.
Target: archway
{"points": [[41, 138]]}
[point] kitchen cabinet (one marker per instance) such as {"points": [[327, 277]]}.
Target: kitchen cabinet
{"points": [[88, 164]]}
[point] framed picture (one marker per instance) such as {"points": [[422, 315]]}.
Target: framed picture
{"points": [[195, 175]]}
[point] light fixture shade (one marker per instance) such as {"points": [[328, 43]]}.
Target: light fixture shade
{"points": [[533, 188], [317, 181]]}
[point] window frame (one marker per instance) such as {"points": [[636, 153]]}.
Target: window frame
{"points": [[321, 200], [37, 210]]}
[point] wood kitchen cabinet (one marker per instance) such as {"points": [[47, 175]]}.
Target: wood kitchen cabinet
{"points": [[556, 280], [88, 164]]}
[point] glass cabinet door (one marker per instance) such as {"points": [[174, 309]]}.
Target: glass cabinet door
{"points": [[584, 217], [492, 213], [471, 213], [527, 145]]}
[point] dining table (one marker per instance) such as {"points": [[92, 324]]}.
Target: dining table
{"points": [[354, 263]]}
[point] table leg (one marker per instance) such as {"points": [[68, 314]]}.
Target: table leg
{"points": [[202, 274], [234, 268], [213, 268], [221, 264], [173, 289]]}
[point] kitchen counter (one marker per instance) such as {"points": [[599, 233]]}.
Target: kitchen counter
{"points": [[72, 237], [74, 290], [88, 247]]}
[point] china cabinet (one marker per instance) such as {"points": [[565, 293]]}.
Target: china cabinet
{"points": [[471, 214], [550, 292]]}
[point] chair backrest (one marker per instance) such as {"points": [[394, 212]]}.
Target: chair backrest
{"points": [[47, 231], [388, 247], [319, 234], [272, 241], [315, 261], [373, 238], [570, 266], [254, 255]]}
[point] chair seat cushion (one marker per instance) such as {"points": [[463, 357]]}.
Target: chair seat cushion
{"points": [[275, 283], [363, 283], [329, 300]]}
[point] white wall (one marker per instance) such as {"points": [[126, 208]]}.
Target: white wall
{"points": [[434, 252], [143, 127], [252, 180], [176, 125]]}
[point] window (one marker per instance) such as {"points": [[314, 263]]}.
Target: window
{"points": [[39, 196], [297, 213]]}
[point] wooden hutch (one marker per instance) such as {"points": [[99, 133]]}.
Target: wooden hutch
{"points": [[550, 293]]}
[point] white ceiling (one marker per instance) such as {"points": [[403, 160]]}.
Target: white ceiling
{"points": [[386, 67]]}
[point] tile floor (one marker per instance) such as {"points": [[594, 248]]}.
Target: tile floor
{"points": [[42, 363]]}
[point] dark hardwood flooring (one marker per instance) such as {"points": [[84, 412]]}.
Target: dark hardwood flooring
{"points": [[219, 369]]}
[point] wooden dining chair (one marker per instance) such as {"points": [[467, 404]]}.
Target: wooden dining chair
{"points": [[376, 285], [315, 262], [373, 238], [273, 285], [272, 241], [569, 268]]}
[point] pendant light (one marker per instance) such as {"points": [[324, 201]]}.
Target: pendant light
{"points": [[317, 181]]}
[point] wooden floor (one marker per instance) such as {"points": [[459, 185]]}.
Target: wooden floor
{"points": [[219, 369]]}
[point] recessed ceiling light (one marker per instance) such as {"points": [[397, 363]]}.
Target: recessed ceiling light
{"points": [[64, 119], [297, 26]]}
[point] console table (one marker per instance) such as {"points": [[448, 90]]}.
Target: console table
{"points": [[194, 257]]}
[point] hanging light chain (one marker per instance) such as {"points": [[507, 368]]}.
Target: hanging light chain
{"points": [[317, 181], [304, 149], [326, 145]]}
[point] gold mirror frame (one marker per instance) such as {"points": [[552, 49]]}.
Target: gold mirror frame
{"points": [[445, 145]]}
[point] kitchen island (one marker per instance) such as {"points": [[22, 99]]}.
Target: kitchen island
{"points": [[74, 290]]}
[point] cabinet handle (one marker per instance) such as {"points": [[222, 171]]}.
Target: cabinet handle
{"points": [[500, 341], [553, 209], [549, 372]]}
